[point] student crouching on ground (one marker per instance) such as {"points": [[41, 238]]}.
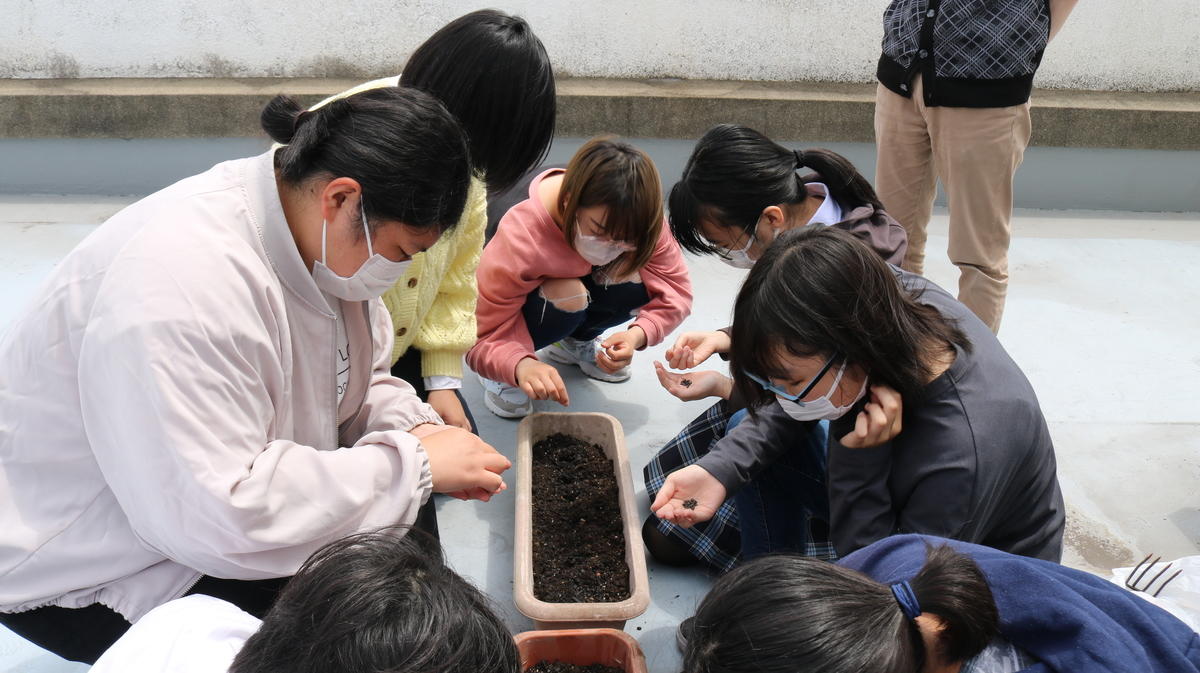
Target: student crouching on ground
{"points": [[369, 602], [175, 413], [739, 192], [914, 604], [492, 73], [819, 321], [585, 252]]}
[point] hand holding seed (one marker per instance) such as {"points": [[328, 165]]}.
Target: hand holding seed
{"points": [[617, 350], [694, 385], [693, 486]]}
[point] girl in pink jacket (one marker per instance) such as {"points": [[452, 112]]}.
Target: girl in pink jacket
{"points": [[586, 250]]}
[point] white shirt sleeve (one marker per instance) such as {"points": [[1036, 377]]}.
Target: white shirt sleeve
{"points": [[194, 634], [440, 382]]}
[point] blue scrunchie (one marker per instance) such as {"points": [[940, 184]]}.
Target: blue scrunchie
{"points": [[907, 599]]}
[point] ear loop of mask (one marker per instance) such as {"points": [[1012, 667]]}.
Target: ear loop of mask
{"points": [[324, 227], [362, 209]]}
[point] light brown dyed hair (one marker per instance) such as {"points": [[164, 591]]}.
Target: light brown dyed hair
{"points": [[607, 172]]}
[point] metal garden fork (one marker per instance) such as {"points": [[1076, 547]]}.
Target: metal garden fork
{"points": [[1135, 583]]}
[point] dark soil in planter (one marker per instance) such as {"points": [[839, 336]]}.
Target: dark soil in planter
{"points": [[560, 667], [578, 536]]}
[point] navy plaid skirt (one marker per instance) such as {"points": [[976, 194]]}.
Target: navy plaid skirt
{"points": [[717, 542]]}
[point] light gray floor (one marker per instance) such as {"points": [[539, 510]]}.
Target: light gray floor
{"points": [[1102, 316]]}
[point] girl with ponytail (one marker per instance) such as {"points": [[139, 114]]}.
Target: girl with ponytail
{"points": [[739, 192], [211, 400], [915, 604]]}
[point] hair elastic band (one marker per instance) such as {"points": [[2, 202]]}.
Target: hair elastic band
{"points": [[300, 119], [903, 592], [799, 154]]}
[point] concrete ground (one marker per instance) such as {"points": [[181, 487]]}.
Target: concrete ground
{"points": [[1101, 315]]}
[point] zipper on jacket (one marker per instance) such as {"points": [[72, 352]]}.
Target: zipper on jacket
{"points": [[191, 585]]}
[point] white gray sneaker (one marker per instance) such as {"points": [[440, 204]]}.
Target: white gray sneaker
{"points": [[583, 353], [504, 400]]}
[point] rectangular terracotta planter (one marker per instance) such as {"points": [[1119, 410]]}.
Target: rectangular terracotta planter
{"points": [[582, 647], [606, 431]]}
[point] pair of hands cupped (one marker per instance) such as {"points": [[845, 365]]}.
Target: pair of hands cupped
{"points": [[691, 349], [877, 423]]}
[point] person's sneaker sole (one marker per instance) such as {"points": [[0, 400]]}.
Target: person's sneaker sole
{"points": [[563, 356], [496, 408]]}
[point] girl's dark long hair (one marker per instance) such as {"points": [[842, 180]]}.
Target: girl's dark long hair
{"points": [[492, 73], [782, 613], [402, 146], [735, 172], [818, 291]]}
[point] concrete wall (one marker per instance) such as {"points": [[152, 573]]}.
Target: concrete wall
{"points": [[1052, 178], [1107, 44]]}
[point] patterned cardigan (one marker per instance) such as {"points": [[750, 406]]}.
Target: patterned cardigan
{"points": [[970, 53]]}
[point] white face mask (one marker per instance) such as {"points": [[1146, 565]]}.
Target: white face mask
{"points": [[598, 251], [822, 408], [740, 259], [376, 275]]}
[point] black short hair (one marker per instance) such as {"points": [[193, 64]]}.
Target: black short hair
{"points": [[735, 172], [818, 291], [786, 613], [379, 602], [402, 146], [493, 74]]}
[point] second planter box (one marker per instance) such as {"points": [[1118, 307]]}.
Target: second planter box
{"points": [[604, 430]]}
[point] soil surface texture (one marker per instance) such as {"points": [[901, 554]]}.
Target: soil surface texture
{"points": [[578, 538], [560, 667]]}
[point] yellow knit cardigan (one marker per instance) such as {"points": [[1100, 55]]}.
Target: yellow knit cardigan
{"points": [[433, 305]]}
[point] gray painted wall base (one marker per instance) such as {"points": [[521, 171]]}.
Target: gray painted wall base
{"points": [[1050, 178]]}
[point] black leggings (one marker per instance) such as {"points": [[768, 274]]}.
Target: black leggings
{"points": [[83, 634]]}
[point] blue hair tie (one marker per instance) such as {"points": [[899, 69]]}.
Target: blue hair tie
{"points": [[903, 592]]}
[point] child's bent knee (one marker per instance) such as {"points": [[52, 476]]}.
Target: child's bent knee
{"points": [[566, 294]]}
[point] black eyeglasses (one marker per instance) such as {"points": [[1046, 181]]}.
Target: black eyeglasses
{"points": [[780, 392]]}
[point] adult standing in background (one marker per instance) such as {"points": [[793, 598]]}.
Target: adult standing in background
{"points": [[953, 103]]}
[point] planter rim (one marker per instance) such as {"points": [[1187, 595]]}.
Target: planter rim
{"points": [[636, 663], [561, 633], [639, 587]]}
